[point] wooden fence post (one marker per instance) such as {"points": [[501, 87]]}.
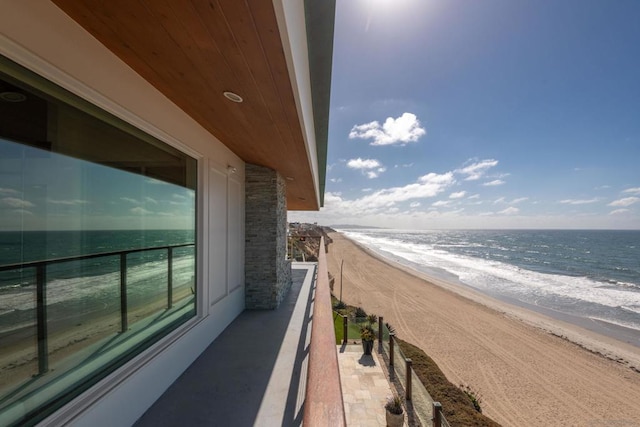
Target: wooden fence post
{"points": [[345, 330], [437, 414], [407, 394], [392, 337]]}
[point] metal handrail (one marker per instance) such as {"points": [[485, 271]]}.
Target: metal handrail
{"points": [[29, 264], [41, 294]]}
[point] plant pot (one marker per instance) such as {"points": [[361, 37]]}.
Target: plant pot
{"points": [[394, 420], [367, 347]]}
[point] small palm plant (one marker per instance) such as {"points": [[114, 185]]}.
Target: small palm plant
{"points": [[394, 411], [394, 404], [368, 334]]}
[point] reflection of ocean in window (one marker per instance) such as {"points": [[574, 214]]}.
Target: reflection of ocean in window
{"points": [[76, 183]]}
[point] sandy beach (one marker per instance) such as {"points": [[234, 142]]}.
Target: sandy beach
{"points": [[529, 369]]}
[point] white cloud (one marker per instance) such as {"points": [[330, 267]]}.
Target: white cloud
{"points": [[363, 163], [382, 200], [139, 211], [457, 195], [130, 200], [509, 211], [13, 202], [151, 200], [73, 202], [440, 203], [476, 170], [513, 202], [154, 181], [336, 180], [400, 131], [414, 204], [376, 173], [619, 211], [6, 191], [627, 201], [635, 191], [366, 190], [493, 183], [578, 201], [475, 196]]}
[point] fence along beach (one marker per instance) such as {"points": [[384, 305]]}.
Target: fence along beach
{"points": [[526, 366]]}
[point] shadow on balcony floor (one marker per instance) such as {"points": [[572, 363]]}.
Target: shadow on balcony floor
{"points": [[254, 373]]}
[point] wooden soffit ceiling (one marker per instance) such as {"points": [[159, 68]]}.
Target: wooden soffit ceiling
{"points": [[195, 50]]}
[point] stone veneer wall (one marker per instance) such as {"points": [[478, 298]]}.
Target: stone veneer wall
{"points": [[267, 270]]}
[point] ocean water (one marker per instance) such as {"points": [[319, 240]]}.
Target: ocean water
{"points": [[91, 287], [590, 275]]}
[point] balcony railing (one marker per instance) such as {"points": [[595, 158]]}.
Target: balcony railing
{"points": [[323, 405], [42, 267]]}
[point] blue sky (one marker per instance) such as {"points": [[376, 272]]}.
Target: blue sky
{"points": [[484, 114]]}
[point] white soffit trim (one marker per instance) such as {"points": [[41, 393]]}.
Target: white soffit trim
{"points": [[293, 33]]}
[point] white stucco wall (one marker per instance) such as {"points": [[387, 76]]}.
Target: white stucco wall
{"points": [[39, 36]]}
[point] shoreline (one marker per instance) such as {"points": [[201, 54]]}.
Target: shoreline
{"points": [[609, 340], [530, 369]]}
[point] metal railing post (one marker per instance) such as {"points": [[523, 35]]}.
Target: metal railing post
{"points": [[392, 337], [380, 326], [169, 277], [437, 414], [407, 392], [124, 322], [345, 330], [41, 317]]}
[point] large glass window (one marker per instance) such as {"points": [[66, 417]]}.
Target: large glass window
{"points": [[97, 244]]}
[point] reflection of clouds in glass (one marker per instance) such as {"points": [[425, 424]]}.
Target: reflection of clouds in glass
{"points": [[140, 211], [13, 202], [6, 191]]}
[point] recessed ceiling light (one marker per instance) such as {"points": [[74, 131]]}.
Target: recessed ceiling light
{"points": [[232, 96], [13, 96]]}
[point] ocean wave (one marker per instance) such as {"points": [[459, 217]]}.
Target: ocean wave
{"points": [[99, 287], [501, 277]]}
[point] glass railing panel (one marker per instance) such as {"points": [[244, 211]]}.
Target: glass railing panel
{"points": [[83, 307], [399, 365], [18, 333], [422, 401], [147, 283], [183, 279], [445, 423], [83, 322]]}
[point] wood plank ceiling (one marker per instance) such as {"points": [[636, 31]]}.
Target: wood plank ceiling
{"points": [[193, 51]]}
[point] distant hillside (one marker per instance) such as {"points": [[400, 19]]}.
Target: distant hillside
{"points": [[353, 226], [304, 241]]}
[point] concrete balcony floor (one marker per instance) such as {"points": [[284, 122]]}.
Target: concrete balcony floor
{"points": [[254, 373]]}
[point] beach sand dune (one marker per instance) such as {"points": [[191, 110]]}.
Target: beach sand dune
{"points": [[525, 375]]}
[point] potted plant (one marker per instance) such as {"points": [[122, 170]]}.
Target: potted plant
{"points": [[394, 411], [368, 334]]}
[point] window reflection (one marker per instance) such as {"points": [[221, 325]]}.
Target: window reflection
{"points": [[97, 246]]}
